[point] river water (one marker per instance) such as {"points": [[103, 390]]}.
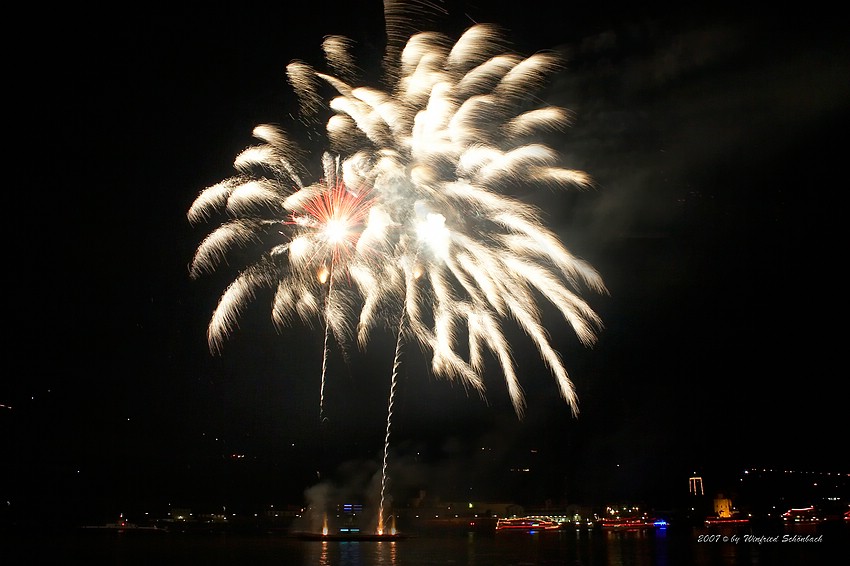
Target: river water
{"points": [[808, 545]]}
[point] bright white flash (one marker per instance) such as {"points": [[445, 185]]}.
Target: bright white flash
{"points": [[434, 233], [336, 231]]}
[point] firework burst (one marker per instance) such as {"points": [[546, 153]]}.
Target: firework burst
{"points": [[430, 227], [413, 224]]}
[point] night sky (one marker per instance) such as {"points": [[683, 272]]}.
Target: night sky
{"points": [[717, 142]]}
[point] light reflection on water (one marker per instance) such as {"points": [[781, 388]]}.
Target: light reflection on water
{"points": [[352, 553], [651, 547], [631, 548], [582, 548]]}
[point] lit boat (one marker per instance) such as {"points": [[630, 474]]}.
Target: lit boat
{"points": [[124, 526], [733, 520], [349, 528], [628, 523], [527, 524], [802, 515]]}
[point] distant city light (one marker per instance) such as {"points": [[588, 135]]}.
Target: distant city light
{"points": [[695, 486]]}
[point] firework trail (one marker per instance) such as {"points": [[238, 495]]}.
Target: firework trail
{"points": [[390, 403], [413, 223]]}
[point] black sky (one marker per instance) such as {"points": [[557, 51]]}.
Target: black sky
{"points": [[717, 143]]}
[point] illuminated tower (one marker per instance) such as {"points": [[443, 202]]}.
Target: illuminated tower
{"points": [[695, 485]]}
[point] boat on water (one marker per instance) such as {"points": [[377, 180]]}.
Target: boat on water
{"points": [[731, 520], [124, 526], [349, 527], [527, 524], [632, 523], [802, 515]]}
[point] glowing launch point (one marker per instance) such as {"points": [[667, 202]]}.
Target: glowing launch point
{"points": [[349, 523]]}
